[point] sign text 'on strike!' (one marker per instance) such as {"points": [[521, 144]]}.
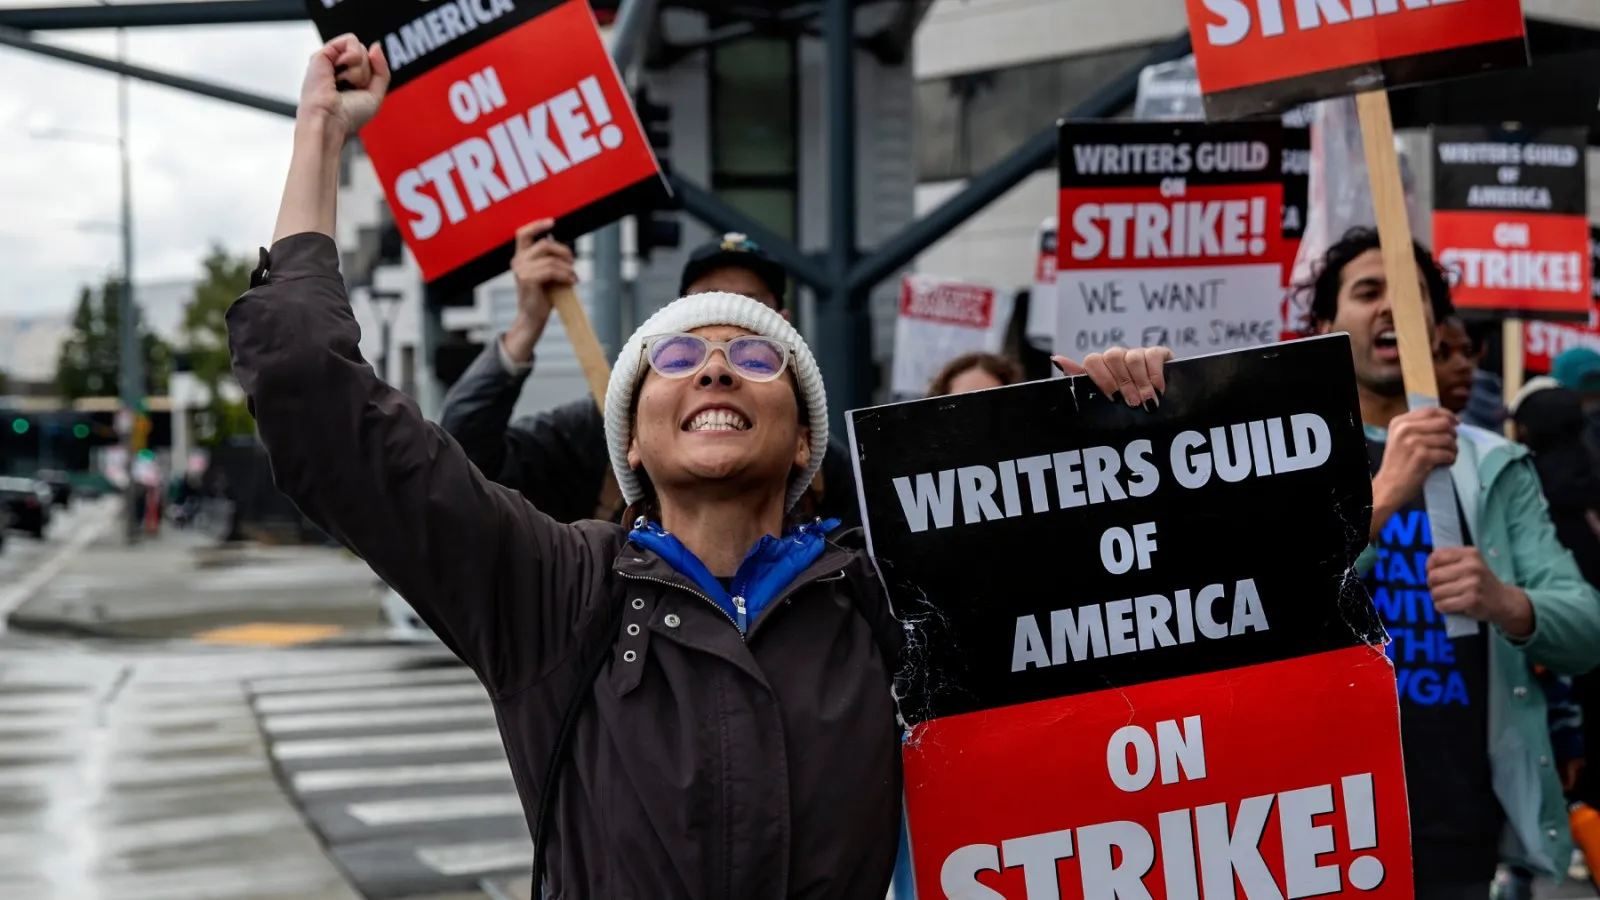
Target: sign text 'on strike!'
{"points": [[1258, 57], [501, 112]]}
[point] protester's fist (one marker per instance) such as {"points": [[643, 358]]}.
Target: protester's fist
{"points": [[1419, 442], [539, 264], [1461, 582], [364, 70], [1134, 377]]}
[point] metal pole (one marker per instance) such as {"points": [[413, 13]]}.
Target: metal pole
{"points": [[142, 15], [629, 30], [386, 336], [844, 338], [605, 308], [22, 40], [130, 372]]}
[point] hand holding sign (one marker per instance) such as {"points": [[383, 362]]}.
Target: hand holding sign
{"points": [[1462, 583], [344, 61], [540, 265], [1419, 442], [1133, 376]]}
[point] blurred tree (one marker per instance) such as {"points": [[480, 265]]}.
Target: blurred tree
{"points": [[91, 356], [205, 330]]}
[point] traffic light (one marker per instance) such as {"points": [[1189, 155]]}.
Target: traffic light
{"points": [[80, 431], [655, 227], [20, 425]]}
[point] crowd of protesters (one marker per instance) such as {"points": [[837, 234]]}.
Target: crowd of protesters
{"points": [[713, 442], [1495, 757]]}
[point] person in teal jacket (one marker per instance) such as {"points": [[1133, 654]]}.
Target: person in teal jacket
{"points": [[1470, 808]]}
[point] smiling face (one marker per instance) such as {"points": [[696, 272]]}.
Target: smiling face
{"points": [[717, 428], [1365, 313]]}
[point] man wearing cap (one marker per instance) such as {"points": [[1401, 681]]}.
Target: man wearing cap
{"points": [[558, 458]]}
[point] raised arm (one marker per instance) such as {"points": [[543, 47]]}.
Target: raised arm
{"points": [[502, 584], [477, 411]]}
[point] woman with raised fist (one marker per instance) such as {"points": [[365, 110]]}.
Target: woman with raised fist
{"points": [[696, 706]]}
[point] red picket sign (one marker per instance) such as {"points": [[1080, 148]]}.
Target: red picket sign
{"points": [[532, 123], [1260, 56], [1172, 789]]}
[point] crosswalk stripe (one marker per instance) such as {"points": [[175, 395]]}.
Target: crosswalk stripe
{"points": [[344, 681], [323, 748], [434, 809], [476, 858], [378, 718], [368, 699], [54, 702], [399, 776]]}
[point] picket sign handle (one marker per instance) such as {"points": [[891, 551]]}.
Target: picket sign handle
{"points": [[591, 356], [1511, 365], [1410, 324]]}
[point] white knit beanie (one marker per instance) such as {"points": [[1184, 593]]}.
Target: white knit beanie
{"points": [[697, 311]]}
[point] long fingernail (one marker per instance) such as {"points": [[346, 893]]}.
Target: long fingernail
{"points": [[1116, 396], [1150, 405]]}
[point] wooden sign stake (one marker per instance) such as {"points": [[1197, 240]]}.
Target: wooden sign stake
{"points": [[1511, 365], [1415, 339], [591, 356]]}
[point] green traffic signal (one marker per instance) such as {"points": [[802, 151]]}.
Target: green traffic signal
{"points": [[20, 426], [147, 455], [80, 431]]}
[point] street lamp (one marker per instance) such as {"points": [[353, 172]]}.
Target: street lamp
{"points": [[384, 304], [130, 369]]}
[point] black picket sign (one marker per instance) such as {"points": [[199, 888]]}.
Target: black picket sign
{"points": [[1042, 540]]}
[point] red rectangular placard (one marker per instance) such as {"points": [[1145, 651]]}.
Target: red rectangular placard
{"points": [[1172, 789], [533, 123], [1516, 263], [1259, 56]]}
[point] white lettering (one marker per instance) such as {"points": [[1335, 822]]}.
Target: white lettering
{"points": [[1174, 229], [440, 26], [1118, 627]]}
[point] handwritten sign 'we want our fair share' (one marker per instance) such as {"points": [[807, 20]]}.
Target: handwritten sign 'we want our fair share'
{"points": [[502, 112], [1169, 234], [1136, 664]]}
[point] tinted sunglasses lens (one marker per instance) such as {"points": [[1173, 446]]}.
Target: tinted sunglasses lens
{"points": [[677, 355], [759, 359]]}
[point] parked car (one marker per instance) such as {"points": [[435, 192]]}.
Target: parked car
{"points": [[28, 501], [60, 486]]}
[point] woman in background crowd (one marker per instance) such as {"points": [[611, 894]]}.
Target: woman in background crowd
{"points": [[974, 372]]}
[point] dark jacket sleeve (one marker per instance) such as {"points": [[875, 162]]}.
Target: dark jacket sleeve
{"points": [[477, 409], [502, 584], [559, 458]]}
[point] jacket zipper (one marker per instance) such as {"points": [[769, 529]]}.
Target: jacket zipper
{"points": [[714, 605], [788, 594], [738, 601]]}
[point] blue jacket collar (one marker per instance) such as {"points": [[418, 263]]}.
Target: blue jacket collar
{"points": [[770, 566]]}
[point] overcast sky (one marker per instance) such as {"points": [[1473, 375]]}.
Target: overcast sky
{"points": [[204, 171]]}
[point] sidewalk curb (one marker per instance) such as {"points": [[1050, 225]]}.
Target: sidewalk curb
{"points": [[12, 601]]}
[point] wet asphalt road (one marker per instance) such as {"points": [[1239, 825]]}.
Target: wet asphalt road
{"points": [[166, 770]]}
